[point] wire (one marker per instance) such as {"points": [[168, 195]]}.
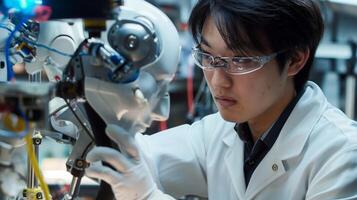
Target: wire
{"points": [[6, 28], [163, 125], [10, 73], [57, 110], [52, 49], [35, 166], [79, 120], [200, 91], [86, 149], [190, 103], [90, 144], [8, 43], [48, 48]]}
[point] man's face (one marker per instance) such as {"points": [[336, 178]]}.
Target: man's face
{"points": [[249, 97]]}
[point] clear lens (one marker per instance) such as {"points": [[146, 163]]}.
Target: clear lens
{"points": [[233, 65], [203, 60], [243, 65]]}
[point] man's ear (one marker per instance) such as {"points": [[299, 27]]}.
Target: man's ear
{"points": [[298, 61]]}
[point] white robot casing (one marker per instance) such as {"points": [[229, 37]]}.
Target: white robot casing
{"points": [[135, 105], [4, 34], [63, 36]]}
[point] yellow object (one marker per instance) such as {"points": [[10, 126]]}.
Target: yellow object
{"points": [[33, 193], [13, 123], [34, 163], [95, 24]]}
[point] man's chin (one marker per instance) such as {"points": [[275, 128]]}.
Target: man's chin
{"points": [[230, 117]]}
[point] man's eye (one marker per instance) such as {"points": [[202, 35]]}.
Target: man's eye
{"points": [[242, 60], [203, 51]]}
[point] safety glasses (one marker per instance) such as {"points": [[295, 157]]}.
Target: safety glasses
{"points": [[232, 65]]}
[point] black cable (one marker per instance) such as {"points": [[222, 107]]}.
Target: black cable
{"points": [[79, 120], [57, 110], [87, 149]]}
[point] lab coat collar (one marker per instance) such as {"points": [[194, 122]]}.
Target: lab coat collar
{"points": [[234, 162], [299, 125], [230, 137], [289, 144]]}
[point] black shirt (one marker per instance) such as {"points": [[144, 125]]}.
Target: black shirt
{"points": [[254, 153]]}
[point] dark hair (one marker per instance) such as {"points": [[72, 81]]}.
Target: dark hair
{"points": [[264, 25]]}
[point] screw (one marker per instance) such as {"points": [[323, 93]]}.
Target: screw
{"points": [[275, 167]]}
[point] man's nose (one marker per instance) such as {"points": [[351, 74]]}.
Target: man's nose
{"points": [[220, 78]]}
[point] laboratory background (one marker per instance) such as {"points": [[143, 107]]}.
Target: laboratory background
{"points": [[49, 52]]}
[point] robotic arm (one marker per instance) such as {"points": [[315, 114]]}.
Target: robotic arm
{"points": [[149, 41], [128, 86]]}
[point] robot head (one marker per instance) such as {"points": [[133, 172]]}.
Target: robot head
{"points": [[147, 38]]}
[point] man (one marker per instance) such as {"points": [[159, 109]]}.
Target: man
{"points": [[275, 136]]}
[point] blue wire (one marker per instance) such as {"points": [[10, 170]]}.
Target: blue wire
{"points": [[4, 27], [10, 73], [7, 50], [52, 49], [48, 48]]}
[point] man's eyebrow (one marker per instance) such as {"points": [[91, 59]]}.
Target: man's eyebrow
{"points": [[204, 41]]}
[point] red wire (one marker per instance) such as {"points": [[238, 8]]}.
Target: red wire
{"points": [[163, 125], [190, 90]]}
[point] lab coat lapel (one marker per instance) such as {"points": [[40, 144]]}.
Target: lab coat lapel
{"points": [[234, 162], [291, 140]]}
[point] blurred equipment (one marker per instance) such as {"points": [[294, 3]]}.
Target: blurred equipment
{"points": [[28, 101], [340, 52], [343, 6], [347, 53], [23, 108]]}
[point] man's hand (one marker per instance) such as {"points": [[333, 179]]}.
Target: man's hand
{"points": [[131, 178]]}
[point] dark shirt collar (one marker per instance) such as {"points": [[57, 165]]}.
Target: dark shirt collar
{"points": [[243, 132]]}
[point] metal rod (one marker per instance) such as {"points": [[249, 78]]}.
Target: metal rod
{"points": [[32, 182], [30, 175], [350, 96], [37, 147], [74, 191]]}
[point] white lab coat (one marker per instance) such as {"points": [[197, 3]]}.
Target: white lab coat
{"points": [[314, 157]]}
